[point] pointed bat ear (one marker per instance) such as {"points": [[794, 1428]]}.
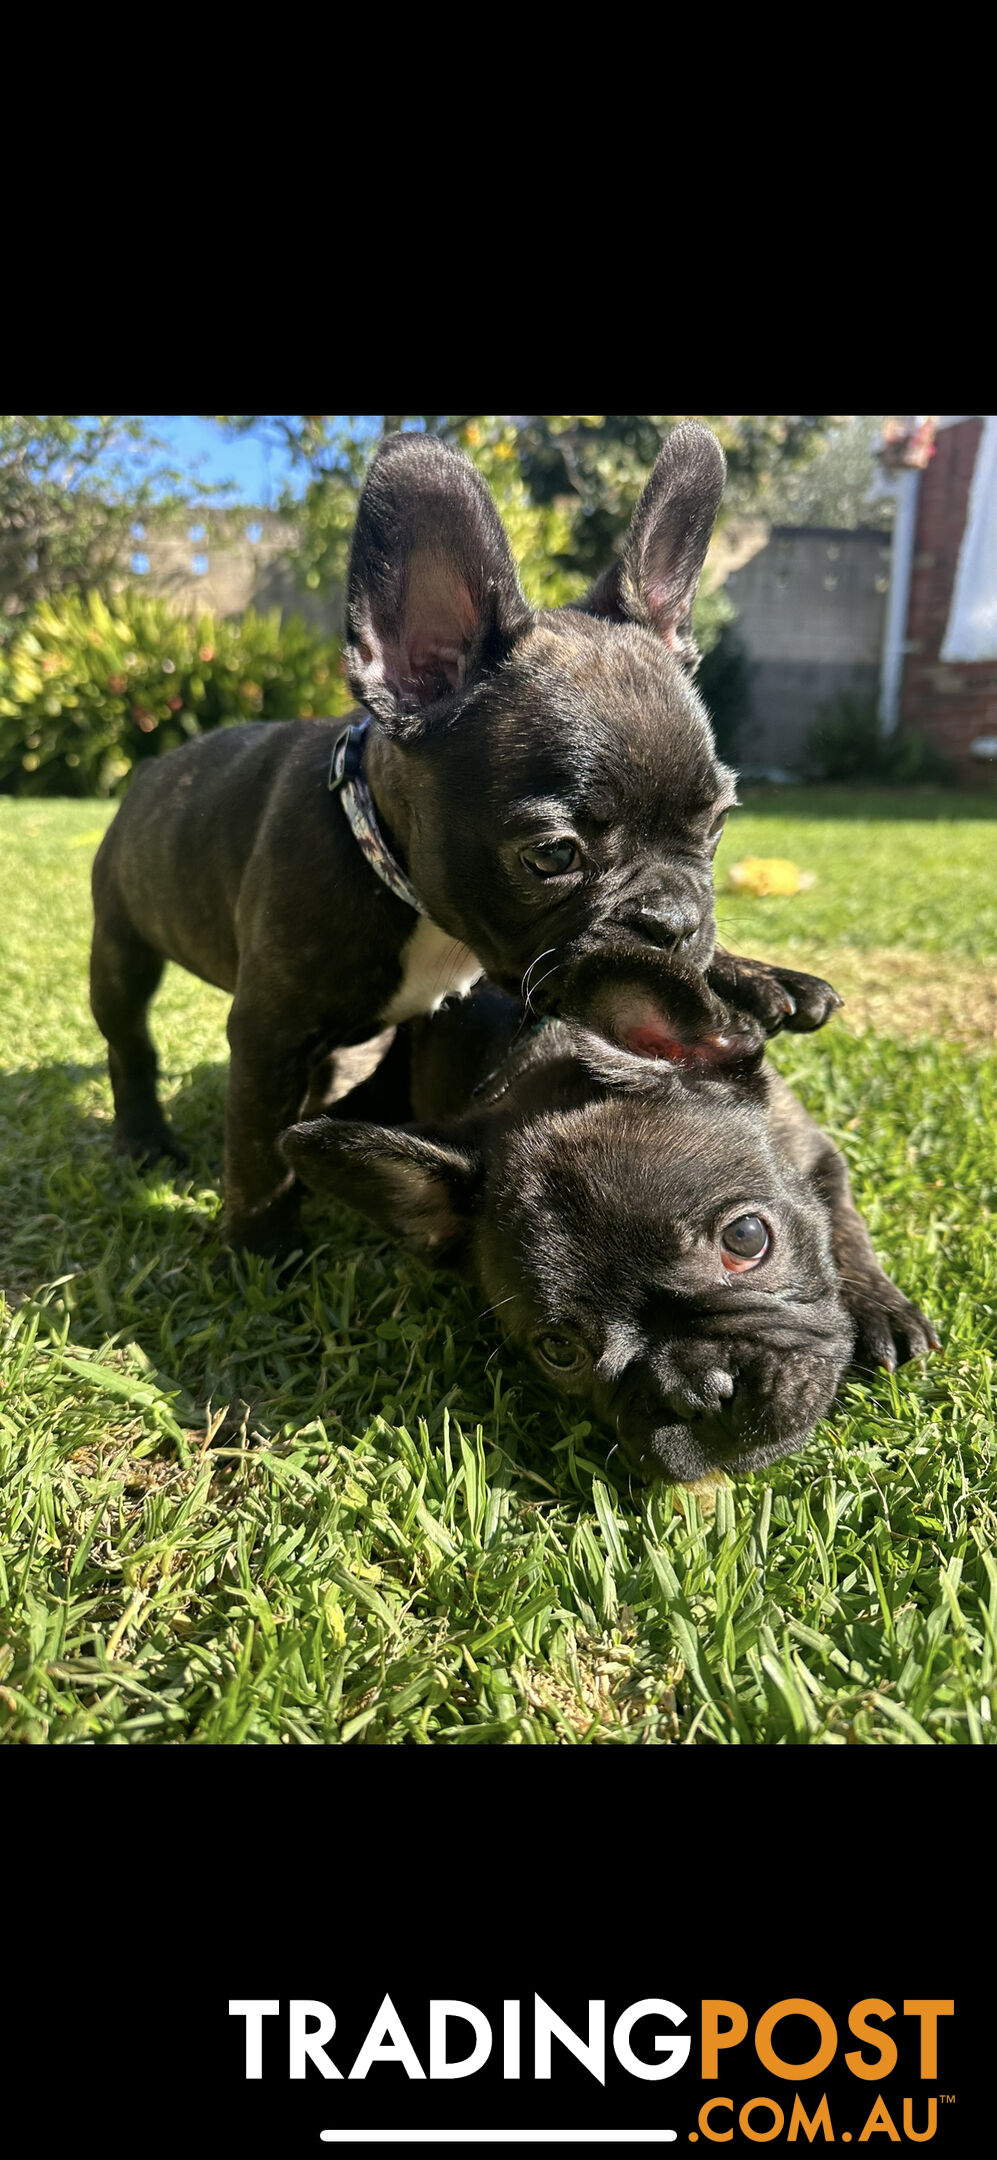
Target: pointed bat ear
{"points": [[432, 594], [417, 1184], [654, 582]]}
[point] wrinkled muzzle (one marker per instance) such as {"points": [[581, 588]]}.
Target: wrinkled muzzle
{"points": [[735, 1413], [670, 919], [673, 913]]}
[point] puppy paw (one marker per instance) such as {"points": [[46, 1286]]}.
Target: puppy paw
{"points": [[776, 997], [813, 1000], [889, 1330], [274, 1233], [150, 1147]]}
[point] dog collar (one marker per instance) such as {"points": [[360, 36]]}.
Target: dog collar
{"points": [[346, 778]]}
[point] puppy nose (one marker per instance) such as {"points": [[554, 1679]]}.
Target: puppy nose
{"points": [[667, 923], [703, 1397], [718, 1387]]}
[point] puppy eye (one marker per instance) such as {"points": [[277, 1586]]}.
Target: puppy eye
{"points": [[743, 1243], [717, 832], [552, 858], [562, 1352]]}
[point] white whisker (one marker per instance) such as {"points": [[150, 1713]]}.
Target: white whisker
{"points": [[499, 1301], [524, 988], [543, 979]]}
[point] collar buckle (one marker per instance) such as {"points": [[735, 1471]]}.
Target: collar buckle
{"points": [[347, 754]]}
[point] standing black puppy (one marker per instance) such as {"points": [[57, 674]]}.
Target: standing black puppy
{"points": [[524, 785]]}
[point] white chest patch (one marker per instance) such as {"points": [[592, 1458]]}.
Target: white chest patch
{"points": [[435, 966]]}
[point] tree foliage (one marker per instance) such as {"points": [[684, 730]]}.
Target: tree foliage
{"points": [[842, 487], [566, 483], [71, 486], [598, 463]]}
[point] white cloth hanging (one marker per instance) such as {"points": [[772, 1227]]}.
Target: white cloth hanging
{"points": [[972, 625]]}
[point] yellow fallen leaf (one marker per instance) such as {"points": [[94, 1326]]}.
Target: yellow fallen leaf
{"points": [[767, 876], [705, 1490]]}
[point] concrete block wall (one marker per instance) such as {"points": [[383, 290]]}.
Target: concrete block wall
{"points": [[811, 608], [226, 561]]}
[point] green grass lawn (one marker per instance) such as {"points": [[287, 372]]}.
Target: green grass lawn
{"points": [[915, 869], [398, 1535]]}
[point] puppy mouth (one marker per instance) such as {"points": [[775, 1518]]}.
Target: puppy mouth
{"points": [[648, 1028], [656, 1039], [680, 1454], [658, 1009]]}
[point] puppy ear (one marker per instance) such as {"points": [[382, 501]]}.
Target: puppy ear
{"points": [[418, 1185], [432, 593], [654, 582]]}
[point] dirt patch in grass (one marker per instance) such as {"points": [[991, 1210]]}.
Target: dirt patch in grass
{"points": [[610, 1685], [905, 993]]}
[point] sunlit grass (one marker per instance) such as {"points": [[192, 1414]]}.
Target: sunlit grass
{"points": [[397, 1534]]}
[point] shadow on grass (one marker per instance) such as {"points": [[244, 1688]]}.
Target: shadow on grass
{"points": [[62, 1185], [128, 1255], [51, 1092], [892, 805]]}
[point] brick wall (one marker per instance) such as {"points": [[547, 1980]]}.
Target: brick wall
{"points": [[952, 701]]}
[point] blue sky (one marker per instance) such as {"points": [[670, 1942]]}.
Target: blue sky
{"points": [[257, 466], [252, 468]]}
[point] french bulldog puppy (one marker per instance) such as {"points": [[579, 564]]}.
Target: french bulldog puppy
{"points": [[662, 1229], [522, 787]]}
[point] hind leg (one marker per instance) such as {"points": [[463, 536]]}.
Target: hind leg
{"points": [[340, 1080], [124, 973]]}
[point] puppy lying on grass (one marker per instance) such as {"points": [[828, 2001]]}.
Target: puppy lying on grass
{"points": [[656, 1220]]}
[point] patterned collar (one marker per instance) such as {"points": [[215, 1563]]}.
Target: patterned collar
{"points": [[346, 777]]}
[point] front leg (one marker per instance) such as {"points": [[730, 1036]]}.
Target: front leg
{"points": [[888, 1328], [777, 997], [267, 1081]]}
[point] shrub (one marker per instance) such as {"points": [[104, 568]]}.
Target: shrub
{"points": [[845, 743], [89, 687]]}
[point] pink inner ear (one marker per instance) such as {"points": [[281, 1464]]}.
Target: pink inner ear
{"points": [[432, 655], [440, 621], [668, 602]]}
